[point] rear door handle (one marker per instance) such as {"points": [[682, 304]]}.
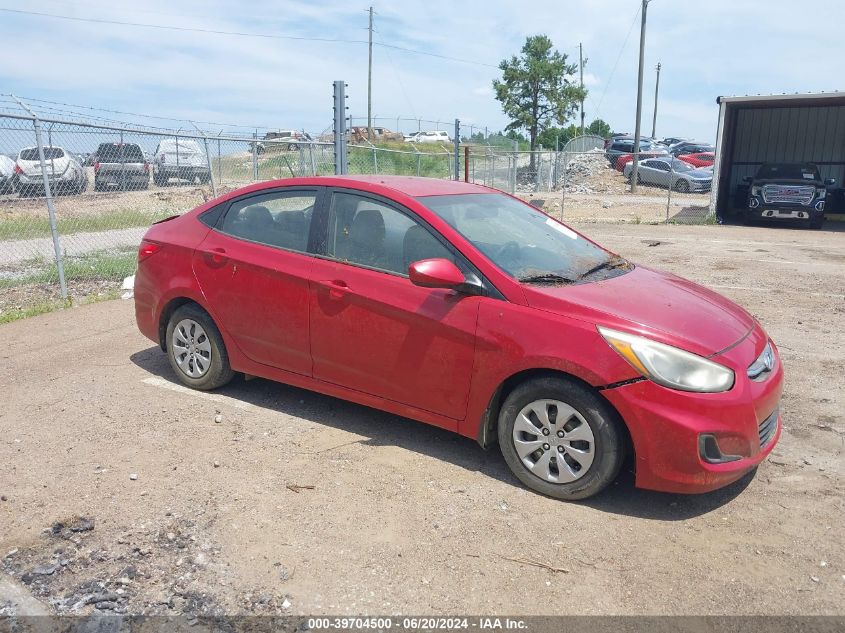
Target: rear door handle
{"points": [[337, 287], [216, 257]]}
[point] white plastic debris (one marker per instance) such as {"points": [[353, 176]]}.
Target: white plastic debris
{"points": [[128, 287]]}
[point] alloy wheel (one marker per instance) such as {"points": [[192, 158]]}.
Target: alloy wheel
{"points": [[191, 348]]}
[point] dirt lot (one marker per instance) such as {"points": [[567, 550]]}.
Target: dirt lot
{"points": [[122, 491]]}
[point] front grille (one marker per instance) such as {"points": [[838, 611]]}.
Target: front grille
{"points": [[791, 194], [768, 427]]}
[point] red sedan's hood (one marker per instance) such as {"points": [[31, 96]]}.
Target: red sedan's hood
{"points": [[659, 305]]}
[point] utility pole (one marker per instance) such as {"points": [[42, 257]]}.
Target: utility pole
{"points": [[581, 67], [370, 84], [636, 161], [656, 88]]}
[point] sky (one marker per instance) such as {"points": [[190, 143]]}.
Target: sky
{"points": [[717, 47]]}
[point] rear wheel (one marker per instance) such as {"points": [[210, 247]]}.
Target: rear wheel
{"points": [[560, 439], [196, 350]]}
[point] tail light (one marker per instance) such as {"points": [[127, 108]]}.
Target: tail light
{"points": [[18, 169], [146, 167], [147, 249], [97, 167]]}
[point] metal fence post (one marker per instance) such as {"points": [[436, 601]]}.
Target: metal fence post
{"points": [[563, 189], [375, 162], [669, 189], [341, 157], [208, 161], [219, 162], [311, 156], [122, 164], [418, 162], [457, 149], [255, 156], [51, 211]]}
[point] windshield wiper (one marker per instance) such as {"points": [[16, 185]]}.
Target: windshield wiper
{"points": [[546, 278]]}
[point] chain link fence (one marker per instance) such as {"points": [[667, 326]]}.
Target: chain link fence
{"points": [[77, 196]]}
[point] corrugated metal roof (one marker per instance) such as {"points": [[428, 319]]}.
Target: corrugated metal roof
{"points": [[782, 97]]}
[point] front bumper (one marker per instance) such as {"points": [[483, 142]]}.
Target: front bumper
{"points": [[759, 209], [666, 425]]}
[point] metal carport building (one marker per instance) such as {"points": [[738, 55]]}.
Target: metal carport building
{"points": [[778, 128]]}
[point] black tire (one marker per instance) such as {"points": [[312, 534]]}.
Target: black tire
{"points": [[159, 179], [604, 422], [220, 372], [682, 186], [816, 221]]}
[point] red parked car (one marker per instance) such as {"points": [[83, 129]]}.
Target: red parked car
{"points": [[702, 159], [624, 159], [463, 307]]}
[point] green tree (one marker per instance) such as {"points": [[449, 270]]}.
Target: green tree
{"points": [[599, 128], [535, 89]]}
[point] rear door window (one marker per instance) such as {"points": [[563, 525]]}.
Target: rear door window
{"points": [[281, 219]]}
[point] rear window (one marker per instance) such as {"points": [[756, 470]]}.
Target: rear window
{"points": [[185, 147], [50, 153], [117, 153], [789, 171]]}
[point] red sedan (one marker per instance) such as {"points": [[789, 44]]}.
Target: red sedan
{"points": [[624, 159], [463, 307], [702, 159]]}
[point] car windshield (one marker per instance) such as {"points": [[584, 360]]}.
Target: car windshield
{"points": [[50, 153], [523, 241], [789, 171]]}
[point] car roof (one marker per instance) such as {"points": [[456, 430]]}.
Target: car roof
{"points": [[415, 186]]}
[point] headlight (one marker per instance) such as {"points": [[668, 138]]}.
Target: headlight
{"points": [[755, 191], [669, 366]]}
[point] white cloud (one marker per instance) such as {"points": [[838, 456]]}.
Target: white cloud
{"points": [[707, 49]]}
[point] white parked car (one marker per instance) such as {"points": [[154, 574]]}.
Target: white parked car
{"points": [[7, 174], [180, 158], [64, 171], [437, 136]]}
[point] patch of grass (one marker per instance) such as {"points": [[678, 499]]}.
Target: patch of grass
{"points": [[44, 307], [23, 228], [361, 161], [98, 265]]}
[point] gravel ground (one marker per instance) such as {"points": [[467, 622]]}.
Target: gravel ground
{"points": [[122, 491]]}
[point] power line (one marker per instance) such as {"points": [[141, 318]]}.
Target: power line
{"points": [[271, 36], [618, 57]]}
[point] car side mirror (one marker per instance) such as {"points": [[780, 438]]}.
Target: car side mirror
{"points": [[830, 181], [748, 179], [436, 273]]}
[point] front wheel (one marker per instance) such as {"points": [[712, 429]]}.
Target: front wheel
{"points": [[196, 350], [682, 186], [816, 221], [559, 438]]}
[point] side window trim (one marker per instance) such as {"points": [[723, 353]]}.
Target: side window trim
{"points": [[318, 192]]}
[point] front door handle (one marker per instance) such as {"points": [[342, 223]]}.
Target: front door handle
{"points": [[337, 287]]}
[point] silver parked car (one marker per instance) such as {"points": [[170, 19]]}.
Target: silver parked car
{"points": [[180, 158], [64, 172], [675, 173], [7, 174]]}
